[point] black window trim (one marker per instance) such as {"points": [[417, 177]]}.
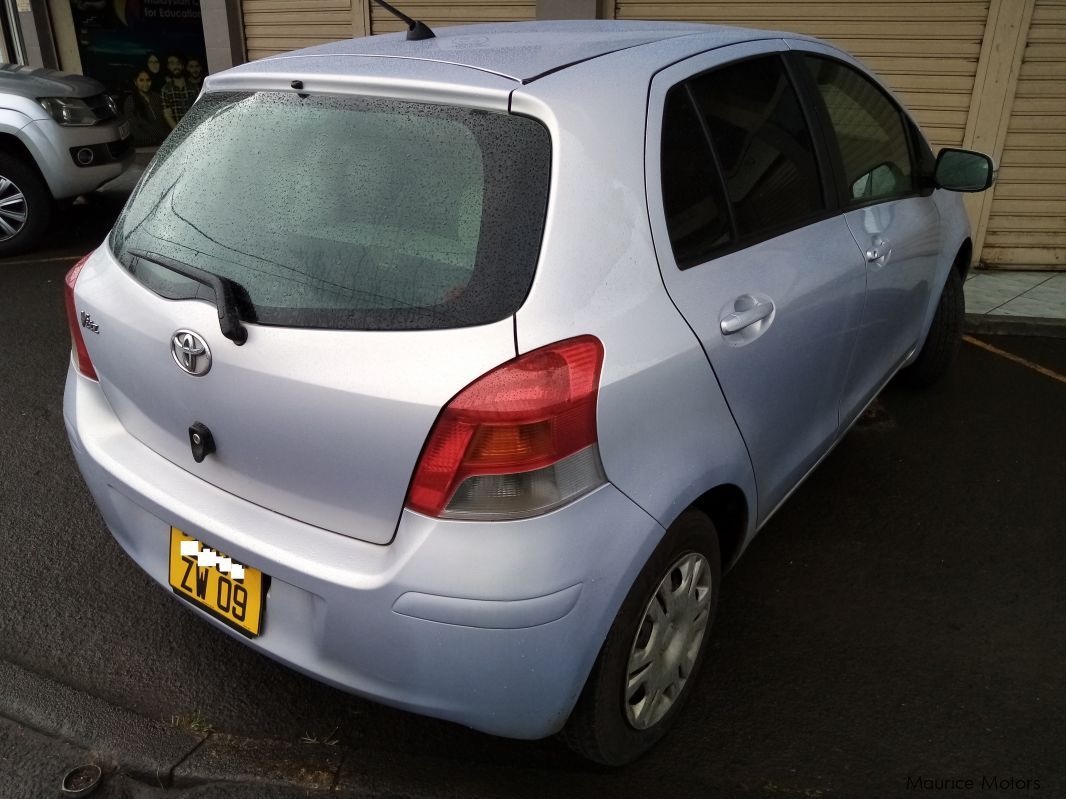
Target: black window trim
{"points": [[814, 98], [723, 189], [830, 187], [923, 155]]}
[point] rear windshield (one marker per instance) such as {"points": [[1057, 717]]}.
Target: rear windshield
{"points": [[345, 212]]}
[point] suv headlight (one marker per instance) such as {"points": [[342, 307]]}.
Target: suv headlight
{"points": [[68, 110]]}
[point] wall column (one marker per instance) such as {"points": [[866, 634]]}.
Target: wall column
{"points": [[223, 34], [65, 37], [361, 18], [1002, 49], [36, 30]]}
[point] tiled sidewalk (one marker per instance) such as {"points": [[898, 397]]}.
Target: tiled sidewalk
{"points": [[1031, 294]]}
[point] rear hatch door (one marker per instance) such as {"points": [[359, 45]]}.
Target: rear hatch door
{"points": [[378, 250]]}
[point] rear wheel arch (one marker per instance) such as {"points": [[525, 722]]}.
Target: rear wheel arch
{"points": [[599, 726], [727, 507], [724, 510]]}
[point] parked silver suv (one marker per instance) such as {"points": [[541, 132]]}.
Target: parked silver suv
{"points": [[452, 371], [60, 136]]}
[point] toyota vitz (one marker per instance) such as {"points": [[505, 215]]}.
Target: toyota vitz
{"points": [[452, 370]]}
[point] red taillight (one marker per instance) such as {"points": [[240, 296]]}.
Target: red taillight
{"points": [[77, 342], [517, 422]]}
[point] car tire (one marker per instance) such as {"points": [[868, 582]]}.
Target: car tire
{"points": [[25, 195], [945, 335], [611, 723]]}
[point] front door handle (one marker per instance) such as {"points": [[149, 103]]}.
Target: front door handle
{"points": [[738, 320], [878, 251]]}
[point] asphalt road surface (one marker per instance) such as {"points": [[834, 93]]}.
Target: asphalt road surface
{"points": [[902, 617]]}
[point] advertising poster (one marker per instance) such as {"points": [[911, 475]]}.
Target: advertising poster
{"points": [[149, 54]]}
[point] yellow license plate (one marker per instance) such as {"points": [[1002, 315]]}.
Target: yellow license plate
{"points": [[229, 591]]}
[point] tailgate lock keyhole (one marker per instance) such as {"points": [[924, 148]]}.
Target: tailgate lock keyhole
{"points": [[203, 443]]}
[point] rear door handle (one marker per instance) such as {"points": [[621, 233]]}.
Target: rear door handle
{"points": [[738, 320]]}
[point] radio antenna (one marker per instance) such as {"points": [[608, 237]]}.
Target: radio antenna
{"points": [[415, 30]]}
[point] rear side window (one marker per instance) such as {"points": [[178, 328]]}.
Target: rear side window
{"points": [[870, 134], [763, 145], [344, 212]]}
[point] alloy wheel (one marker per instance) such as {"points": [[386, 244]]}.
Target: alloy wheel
{"points": [[13, 210]]}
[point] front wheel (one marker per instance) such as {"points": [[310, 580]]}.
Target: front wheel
{"points": [[945, 335], [25, 206], [649, 662]]}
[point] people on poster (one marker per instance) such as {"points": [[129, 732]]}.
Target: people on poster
{"points": [[144, 110], [194, 73], [155, 72], [118, 38], [178, 95]]}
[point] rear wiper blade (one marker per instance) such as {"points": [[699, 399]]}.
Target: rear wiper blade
{"points": [[229, 318]]}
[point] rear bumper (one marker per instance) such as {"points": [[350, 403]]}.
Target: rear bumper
{"points": [[494, 626]]}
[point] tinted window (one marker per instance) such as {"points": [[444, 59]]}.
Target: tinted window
{"points": [[870, 134], [692, 195], [346, 212], [763, 145]]}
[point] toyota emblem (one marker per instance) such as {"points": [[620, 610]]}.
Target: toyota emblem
{"points": [[190, 352]]}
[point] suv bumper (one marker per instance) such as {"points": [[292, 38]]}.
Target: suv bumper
{"points": [[491, 625], [54, 147]]}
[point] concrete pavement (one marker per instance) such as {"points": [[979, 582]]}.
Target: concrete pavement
{"points": [[1029, 303]]}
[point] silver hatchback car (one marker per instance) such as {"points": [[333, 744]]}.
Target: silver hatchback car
{"points": [[452, 371]]}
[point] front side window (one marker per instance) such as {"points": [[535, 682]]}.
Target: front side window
{"points": [[345, 212], [763, 145], [870, 135]]}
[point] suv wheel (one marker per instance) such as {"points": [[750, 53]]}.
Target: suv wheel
{"points": [[25, 206], [646, 669]]}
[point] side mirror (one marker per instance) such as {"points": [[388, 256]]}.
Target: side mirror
{"points": [[963, 170]]}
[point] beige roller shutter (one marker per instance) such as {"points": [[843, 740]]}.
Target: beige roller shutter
{"points": [[1027, 224], [445, 13], [274, 26], [926, 51]]}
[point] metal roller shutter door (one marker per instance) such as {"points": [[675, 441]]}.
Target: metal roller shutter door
{"points": [[438, 13], [926, 51], [1027, 223], [275, 26]]}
